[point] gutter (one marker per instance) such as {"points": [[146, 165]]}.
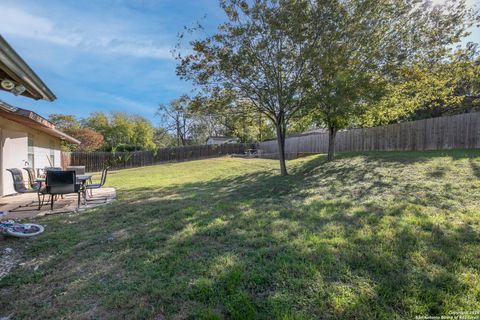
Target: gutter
{"points": [[20, 72]]}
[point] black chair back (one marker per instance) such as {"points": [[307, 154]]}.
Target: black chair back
{"points": [[18, 183], [31, 177], [61, 182], [79, 170], [104, 176]]}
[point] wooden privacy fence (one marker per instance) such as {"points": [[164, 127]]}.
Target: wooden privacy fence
{"points": [[96, 161], [452, 132]]}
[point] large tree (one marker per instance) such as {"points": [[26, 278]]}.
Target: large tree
{"points": [[143, 133], [63, 121], [90, 140], [258, 55], [360, 47], [121, 130], [162, 138], [427, 89], [99, 122], [223, 114], [177, 119]]}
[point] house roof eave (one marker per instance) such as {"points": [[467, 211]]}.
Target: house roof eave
{"points": [[19, 71], [33, 120]]}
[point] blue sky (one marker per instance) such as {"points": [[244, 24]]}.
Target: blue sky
{"points": [[102, 55], [105, 55]]}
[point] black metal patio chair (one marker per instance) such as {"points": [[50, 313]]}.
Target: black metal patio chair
{"points": [[31, 178], [103, 179], [19, 186], [60, 183], [79, 170]]}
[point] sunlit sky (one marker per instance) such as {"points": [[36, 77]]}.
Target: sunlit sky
{"points": [[105, 55]]}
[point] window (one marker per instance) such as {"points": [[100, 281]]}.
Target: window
{"points": [[31, 154], [52, 153]]}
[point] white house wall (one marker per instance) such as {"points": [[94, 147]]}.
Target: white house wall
{"points": [[14, 151], [14, 154], [42, 144]]}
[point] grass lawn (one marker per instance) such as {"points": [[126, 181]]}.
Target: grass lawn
{"points": [[376, 235]]}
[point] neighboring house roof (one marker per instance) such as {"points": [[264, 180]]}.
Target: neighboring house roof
{"points": [[14, 68], [32, 120]]}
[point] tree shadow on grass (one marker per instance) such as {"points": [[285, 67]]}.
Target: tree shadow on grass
{"points": [[326, 259], [406, 157], [475, 165], [277, 222]]}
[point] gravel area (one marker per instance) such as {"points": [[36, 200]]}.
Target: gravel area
{"points": [[7, 261]]}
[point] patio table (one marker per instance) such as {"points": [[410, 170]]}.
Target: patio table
{"points": [[81, 178]]}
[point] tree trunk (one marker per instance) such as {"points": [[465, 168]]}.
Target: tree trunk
{"points": [[260, 127], [179, 133], [184, 131], [332, 133], [281, 148]]}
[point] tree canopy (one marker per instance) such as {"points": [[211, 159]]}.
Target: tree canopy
{"points": [[90, 139], [257, 55], [361, 49], [177, 119], [426, 89], [100, 131], [122, 131], [278, 66], [327, 61], [63, 121]]}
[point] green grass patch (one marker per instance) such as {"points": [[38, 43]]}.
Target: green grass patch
{"points": [[374, 235]]}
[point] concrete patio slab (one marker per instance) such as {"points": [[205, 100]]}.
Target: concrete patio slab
{"points": [[25, 206]]}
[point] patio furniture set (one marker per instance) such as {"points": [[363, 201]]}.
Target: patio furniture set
{"points": [[56, 182]]}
